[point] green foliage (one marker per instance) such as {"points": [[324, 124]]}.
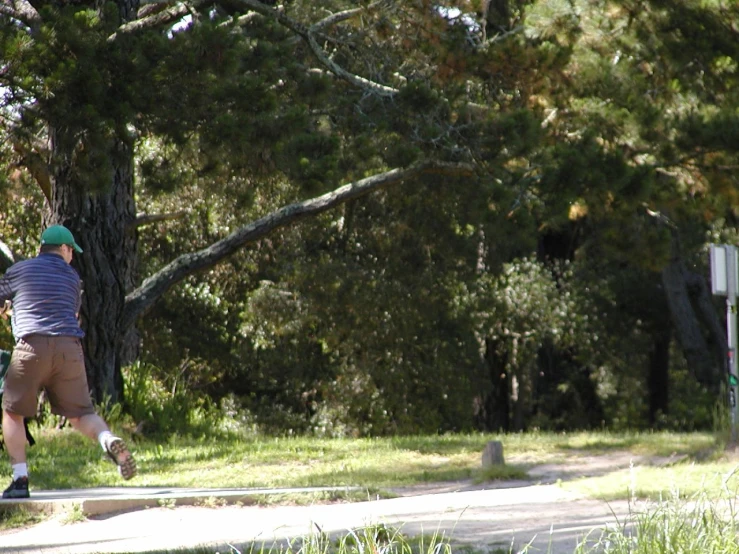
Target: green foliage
{"points": [[399, 312], [344, 304], [310, 158], [160, 408], [693, 407], [523, 302], [532, 317]]}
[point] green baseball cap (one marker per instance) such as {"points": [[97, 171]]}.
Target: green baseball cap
{"points": [[58, 235]]}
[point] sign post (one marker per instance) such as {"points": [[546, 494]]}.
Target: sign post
{"points": [[725, 282]]}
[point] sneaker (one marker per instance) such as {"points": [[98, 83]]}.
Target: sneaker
{"points": [[119, 453], [17, 489]]}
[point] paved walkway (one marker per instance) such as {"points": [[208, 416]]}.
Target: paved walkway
{"points": [[144, 519]]}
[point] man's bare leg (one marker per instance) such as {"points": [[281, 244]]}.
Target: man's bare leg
{"points": [[90, 425], [14, 437], [93, 426]]}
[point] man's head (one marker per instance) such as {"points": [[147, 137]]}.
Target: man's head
{"points": [[56, 237]]}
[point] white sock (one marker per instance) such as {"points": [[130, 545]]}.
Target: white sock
{"points": [[103, 439], [20, 470]]}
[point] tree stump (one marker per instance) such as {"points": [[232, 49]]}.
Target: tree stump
{"points": [[493, 454]]}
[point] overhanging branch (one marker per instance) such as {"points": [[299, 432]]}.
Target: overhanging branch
{"points": [[308, 35], [163, 17], [22, 10], [338, 17], [147, 219], [140, 300], [33, 160]]}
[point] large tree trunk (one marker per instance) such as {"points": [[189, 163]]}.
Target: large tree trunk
{"points": [[494, 408], [101, 224], [658, 378], [682, 296]]}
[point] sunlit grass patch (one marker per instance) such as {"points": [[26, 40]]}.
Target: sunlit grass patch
{"points": [[298, 462], [693, 525], [375, 539], [370, 468], [64, 459], [644, 443], [652, 483], [74, 514]]}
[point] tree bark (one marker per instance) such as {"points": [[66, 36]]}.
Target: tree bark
{"points": [[676, 281], [495, 413], [700, 292], [100, 223], [658, 378]]}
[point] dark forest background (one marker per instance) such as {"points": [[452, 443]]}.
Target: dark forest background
{"points": [[372, 218]]}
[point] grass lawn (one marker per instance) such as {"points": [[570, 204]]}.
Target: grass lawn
{"points": [[63, 459]]}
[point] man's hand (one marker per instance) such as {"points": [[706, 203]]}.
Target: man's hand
{"points": [[7, 310]]}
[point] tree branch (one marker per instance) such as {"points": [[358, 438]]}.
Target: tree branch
{"points": [[150, 9], [157, 19], [34, 161], [7, 10], [140, 300], [335, 18], [147, 219], [244, 19], [308, 35], [22, 10]]}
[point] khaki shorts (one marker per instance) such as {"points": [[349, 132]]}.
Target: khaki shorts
{"points": [[55, 364]]}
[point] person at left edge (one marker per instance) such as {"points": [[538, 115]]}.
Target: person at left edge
{"points": [[45, 292]]}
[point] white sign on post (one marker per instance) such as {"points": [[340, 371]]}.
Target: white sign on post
{"points": [[725, 282], [719, 280]]}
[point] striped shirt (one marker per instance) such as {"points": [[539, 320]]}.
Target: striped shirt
{"points": [[46, 296]]}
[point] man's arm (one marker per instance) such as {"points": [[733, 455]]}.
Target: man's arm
{"points": [[6, 290], [6, 310]]}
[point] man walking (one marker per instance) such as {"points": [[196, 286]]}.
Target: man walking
{"points": [[45, 292]]}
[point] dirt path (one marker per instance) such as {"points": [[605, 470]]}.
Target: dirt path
{"points": [[486, 516], [553, 520]]}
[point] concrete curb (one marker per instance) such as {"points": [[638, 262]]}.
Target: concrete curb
{"points": [[105, 500]]}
